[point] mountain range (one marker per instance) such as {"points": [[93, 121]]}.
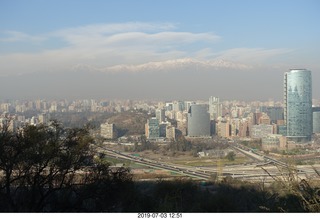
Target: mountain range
{"points": [[184, 79], [168, 65]]}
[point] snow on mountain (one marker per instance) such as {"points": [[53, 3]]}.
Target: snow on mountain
{"points": [[168, 65]]}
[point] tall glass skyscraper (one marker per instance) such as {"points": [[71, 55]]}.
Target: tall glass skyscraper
{"points": [[198, 121], [298, 104]]}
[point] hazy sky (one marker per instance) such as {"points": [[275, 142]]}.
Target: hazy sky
{"points": [[167, 49]]}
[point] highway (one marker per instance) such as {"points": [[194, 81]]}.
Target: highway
{"points": [[266, 169], [255, 155], [156, 164]]}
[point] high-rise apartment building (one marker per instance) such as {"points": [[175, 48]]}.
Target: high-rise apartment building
{"points": [[152, 129], [215, 108], [108, 131], [298, 104], [178, 106], [170, 132], [264, 119], [198, 121], [223, 129], [187, 105], [160, 115]]}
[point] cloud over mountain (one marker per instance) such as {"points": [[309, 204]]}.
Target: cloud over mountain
{"points": [[131, 46], [136, 60]]}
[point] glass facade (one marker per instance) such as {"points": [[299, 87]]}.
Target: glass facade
{"points": [[198, 121], [275, 113], [153, 128], [298, 104], [282, 130], [316, 120]]}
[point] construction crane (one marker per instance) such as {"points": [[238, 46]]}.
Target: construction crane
{"points": [[219, 168]]}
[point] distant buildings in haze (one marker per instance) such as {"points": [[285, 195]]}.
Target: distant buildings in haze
{"points": [[215, 108], [294, 118]]}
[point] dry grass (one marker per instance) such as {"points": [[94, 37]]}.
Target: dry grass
{"points": [[307, 190]]}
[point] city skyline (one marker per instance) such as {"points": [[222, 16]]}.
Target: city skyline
{"points": [[144, 50]]}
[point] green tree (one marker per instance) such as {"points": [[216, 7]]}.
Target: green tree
{"points": [[181, 144], [231, 156], [45, 165]]}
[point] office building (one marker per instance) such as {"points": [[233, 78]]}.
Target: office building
{"points": [[198, 121], [162, 129], [282, 130], [298, 105], [275, 113], [152, 129], [316, 119]]}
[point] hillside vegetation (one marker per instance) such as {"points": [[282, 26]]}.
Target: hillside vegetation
{"points": [[130, 123], [50, 168]]}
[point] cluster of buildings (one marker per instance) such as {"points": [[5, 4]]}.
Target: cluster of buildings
{"points": [[205, 119], [279, 125], [35, 112], [14, 121], [157, 128], [85, 105]]}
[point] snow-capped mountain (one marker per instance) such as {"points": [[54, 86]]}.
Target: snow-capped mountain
{"points": [[176, 64]]}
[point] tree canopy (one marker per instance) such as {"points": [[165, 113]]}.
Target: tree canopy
{"points": [[43, 166]]}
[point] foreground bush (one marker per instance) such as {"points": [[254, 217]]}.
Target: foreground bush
{"points": [[51, 168]]}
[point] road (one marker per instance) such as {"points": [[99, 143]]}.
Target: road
{"points": [[156, 164], [264, 170]]}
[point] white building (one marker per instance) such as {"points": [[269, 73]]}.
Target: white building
{"points": [[261, 130], [108, 131]]}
